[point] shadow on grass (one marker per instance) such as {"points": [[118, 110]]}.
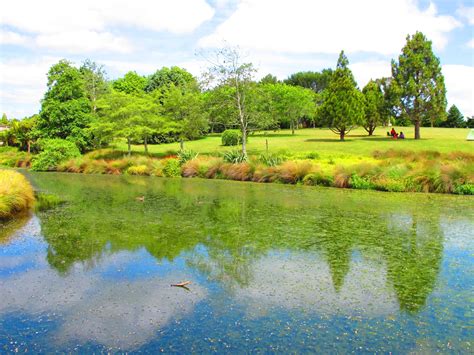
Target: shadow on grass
{"points": [[389, 139], [328, 140]]}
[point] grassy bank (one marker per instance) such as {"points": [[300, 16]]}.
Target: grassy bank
{"points": [[392, 170], [442, 162], [16, 194]]}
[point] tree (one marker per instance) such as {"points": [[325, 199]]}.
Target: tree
{"points": [[132, 116], [66, 109], [291, 103], [470, 122], [165, 77], [4, 120], [455, 119], [221, 110], [227, 68], [131, 83], [316, 81], [269, 79], [343, 105], [419, 82], [186, 108], [24, 132], [374, 106], [95, 82]]}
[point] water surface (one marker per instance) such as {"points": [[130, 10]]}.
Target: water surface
{"points": [[272, 268]]}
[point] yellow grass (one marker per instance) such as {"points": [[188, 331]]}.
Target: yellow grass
{"points": [[16, 194]]}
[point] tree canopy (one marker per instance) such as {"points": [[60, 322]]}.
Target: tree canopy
{"points": [[419, 82]]}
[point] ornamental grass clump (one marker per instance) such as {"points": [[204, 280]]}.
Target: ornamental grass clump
{"points": [[16, 194], [291, 172]]}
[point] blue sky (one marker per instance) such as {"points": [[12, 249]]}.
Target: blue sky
{"points": [[279, 37]]}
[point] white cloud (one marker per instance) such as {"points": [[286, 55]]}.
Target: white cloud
{"points": [[53, 16], [471, 43], [466, 13], [78, 26], [460, 91], [365, 71], [317, 26], [9, 37], [84, 42]]}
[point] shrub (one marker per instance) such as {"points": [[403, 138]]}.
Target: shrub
{"points": [[171, 168], [186, 155], [54, 152], [271, 159], [190, 168], [318, 178], [231, 137], [239, 171], [138, 170], [294, 171], [465, 189], [341, 177], [359, 182], [234, 157], [16, 193]]}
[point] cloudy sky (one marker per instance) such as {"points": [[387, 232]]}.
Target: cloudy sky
{"points": [[279, 36]]}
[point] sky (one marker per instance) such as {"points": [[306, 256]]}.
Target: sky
{"points": [[280, 37]]}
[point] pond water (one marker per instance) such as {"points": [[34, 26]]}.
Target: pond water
{"points": [[273, 268]]}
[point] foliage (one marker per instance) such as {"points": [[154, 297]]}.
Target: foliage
{"points": [[184, 106], [343, 106], [95, 82], [186, 155], [138, 170], [16, 194], [454, 119], [419, 82], [374, 105], [231, 137], [228, 69], [131, 83], [165, 77], [316, 81], [54, 151], [271, 159], [66, 109], [172, 168], [291, 103], [269, 79], [234, 157]]}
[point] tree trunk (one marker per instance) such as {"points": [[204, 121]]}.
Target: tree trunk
{"points": [[244, 142], [292, 127], [341, 135], [145, 141], [129, 146], [417, 129], [28, 145]]}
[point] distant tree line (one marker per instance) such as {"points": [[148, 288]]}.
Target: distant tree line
{"points": [[81, 105]]}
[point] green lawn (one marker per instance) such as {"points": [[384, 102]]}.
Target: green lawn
{"points": [[326, 143]]}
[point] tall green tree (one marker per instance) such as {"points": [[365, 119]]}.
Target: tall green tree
{"points": [[165, 77], [95, 81], [133, 117], [316, 81], [65, 109], [131, 83], [374, 106], [25, 132], [454, 119], [269, 79], [343, 106], [186, 108], [419, 82], [291, 103], [4, 119]]}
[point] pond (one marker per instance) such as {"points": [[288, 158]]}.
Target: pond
{"points": [[273, 268]]}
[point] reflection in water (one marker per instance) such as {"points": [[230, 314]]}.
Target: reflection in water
{"points": [[108, 260]]}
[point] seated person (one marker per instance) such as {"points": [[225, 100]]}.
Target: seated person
{"points": [[393, 132], [401, 136]]}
